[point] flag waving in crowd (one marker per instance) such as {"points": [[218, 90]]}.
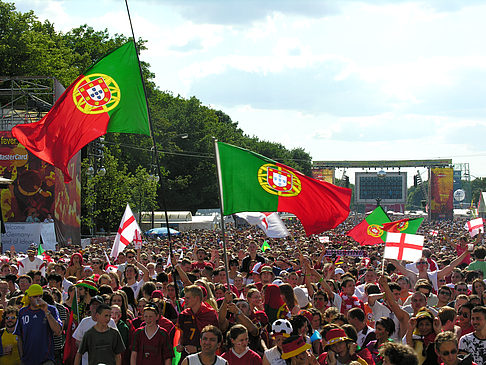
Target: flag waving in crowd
{"points": [[126, 232], [253, 183], [270, 223], [108, 97], [475, 226], [403, 246], [374, 229]]}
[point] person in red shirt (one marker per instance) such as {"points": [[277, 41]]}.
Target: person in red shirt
{"points": [[193, 319], [151, 343], [200, 263], [238, 351]]}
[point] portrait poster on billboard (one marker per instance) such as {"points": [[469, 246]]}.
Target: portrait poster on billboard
{"points": [[441, 193], [36, 194]]}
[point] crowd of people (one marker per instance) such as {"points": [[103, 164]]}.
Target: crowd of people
{"points": [[298, 302]]}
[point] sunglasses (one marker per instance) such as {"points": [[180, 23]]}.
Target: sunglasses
{"points": [[422, 263], [444, 292], [464, 314], [97, 263], [130, 257], [447, 353], [319, 299]]}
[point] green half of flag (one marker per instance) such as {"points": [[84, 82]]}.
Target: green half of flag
{"points": [[265, 246], [40, 249]]}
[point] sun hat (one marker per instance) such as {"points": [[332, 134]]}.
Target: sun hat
{"points": [[302, 296], [334, 336], [293, 346]]}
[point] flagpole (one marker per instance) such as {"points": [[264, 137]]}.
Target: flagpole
{"points": [[157, 162], [220, 190]]}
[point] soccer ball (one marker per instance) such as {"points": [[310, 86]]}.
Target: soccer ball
{"points": [[282, 326]]}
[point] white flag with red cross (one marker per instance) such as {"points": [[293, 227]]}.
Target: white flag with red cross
{"points": [[403, 246], [269, 222], [475, 226], [126, 232]]}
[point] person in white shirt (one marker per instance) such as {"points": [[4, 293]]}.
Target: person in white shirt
{"points": [[31, 263]]}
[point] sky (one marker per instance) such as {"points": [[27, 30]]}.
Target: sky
{"points": [[345, 80]]}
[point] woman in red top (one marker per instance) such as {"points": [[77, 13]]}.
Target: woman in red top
{"points": [[238, 351]]}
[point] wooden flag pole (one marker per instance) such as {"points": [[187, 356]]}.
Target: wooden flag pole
{"points": [[220, 190], [156, 153]]}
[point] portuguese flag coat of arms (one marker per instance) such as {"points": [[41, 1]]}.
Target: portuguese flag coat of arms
{"points": [[251, 182], [108, 97], [373, 229]]}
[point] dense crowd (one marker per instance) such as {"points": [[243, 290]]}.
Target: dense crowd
{"points": [[299, 302]]}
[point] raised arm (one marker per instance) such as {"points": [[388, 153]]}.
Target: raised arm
{"points": [[448, 269]]}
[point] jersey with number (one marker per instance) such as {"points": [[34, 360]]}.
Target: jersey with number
{"points": [[36, 334], [191, 324]]}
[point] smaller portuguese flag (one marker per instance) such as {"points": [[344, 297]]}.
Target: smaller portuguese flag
{"points": [[369, 231], [108, 97], [406, 225], [373, 229], [254, 183]]}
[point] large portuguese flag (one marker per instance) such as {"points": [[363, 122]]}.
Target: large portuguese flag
{"points": [[108, 97], [373, 229], [253, 183]]}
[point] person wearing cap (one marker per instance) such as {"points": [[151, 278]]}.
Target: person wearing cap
{"points": [[266, 275], [281, 329], [340, 349], [86, 289], [295, 349], [421, 334], [88, 322], [37, 324]]}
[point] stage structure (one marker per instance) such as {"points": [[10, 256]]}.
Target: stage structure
{"points": [[38, 189], [389, 188]]}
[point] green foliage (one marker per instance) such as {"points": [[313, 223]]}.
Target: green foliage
{"points": [[477, 186], [104, 198], [29, 47]]}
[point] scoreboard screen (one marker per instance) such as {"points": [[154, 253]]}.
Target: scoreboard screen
{"points": [[390, 189]]}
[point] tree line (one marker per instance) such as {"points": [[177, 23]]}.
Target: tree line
{"points": [[183, 127]]}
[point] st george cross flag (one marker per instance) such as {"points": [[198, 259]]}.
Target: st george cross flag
{"points": [[126, 232], [475, 226], [270, 223], [324, 239], [434, 232], [403, 246], [137, 240]]}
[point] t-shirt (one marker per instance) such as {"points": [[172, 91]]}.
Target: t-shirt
{"points": [[474, 346], [36, 334], [274, 356], [249, 357], [154, 350], [9, 340], [102, 346], [86, 324], [478, 265]]}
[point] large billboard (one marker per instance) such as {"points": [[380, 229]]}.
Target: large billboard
{"points": [[388, 189], [38, 190], [441, 193], [323, 174]]}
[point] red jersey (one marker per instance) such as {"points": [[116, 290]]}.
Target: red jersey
{"points": [[154, 350]]}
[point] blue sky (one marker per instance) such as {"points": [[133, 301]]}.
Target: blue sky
{"points": [[345, 80]]}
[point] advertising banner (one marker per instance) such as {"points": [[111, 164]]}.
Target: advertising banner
{"points": [[36, 194], [323, 174], [441, 193]]}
